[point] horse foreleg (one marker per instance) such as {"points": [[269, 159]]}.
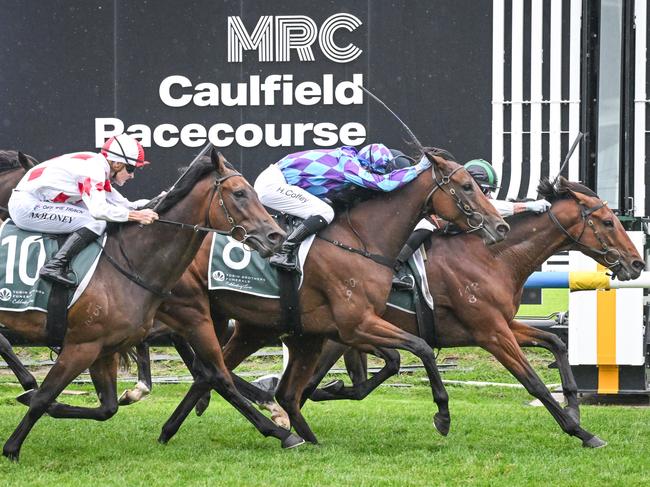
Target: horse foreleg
{"points": [[204, 342], [72, 361], [245, 341], [356, 363], [303, 357], [361, 390], [188, 357], [527, 336], [104, 376], [502, 344], [331, 352], [144, 385], [24, 376], [379, 333]]}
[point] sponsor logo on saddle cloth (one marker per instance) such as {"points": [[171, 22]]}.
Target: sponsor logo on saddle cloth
{"points": [[22, 254], [235, 268]]}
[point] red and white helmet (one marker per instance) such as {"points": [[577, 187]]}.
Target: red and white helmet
{"points": [[124, 148]]}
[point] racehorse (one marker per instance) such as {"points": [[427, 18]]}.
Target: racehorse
{"points": [[137, 269], [477, 292], [344, 290]]}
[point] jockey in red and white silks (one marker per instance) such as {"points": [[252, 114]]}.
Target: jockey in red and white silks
{"points": [[74, 193], [67, 193]]}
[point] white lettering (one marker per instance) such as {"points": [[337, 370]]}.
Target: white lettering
{"points": [[165, 91]]}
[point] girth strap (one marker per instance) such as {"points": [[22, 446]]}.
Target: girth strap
{"points": [[379, 259]]}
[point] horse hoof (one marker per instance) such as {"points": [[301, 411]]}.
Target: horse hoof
{"points": [[594, 442], [442, 424], [164, 438], [26, 397], [333, 387], [126, 398], [12, 456], [202, 405], [292, 441]]}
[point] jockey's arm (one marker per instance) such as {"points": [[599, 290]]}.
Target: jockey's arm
{"points": [[508, 208], [385, 182]]}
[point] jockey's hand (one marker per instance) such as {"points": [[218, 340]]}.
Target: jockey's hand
{"points": [[144, 217], [539, 206]]}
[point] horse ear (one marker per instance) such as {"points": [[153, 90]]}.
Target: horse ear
{"points": [[432, 158], [24, 162], [218, 161]]}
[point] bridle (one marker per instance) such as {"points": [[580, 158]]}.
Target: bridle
{"points": [[234, 228], [463, 206], [586, 213]]}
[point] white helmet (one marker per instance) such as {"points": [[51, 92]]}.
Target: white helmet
{"points": [[124, 148]]}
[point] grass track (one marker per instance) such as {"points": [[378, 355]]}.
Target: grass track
{"points": [[386, 440]]}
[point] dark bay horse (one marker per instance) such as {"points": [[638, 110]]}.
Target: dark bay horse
{"points": [[344, 293], [477, 291], [117, 308]]}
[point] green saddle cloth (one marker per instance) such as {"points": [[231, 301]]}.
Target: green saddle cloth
{"points": [[234, 268], [22, 254]]}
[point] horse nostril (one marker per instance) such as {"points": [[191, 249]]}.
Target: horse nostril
{"points": [[275, 237], [639, 265], [503, 228]]}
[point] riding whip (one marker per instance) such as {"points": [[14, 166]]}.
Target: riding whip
{"points": [[569, 154], [203, 152], [408, 130]]}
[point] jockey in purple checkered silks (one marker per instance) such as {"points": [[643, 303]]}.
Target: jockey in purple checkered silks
{"points": [[297, 183]]}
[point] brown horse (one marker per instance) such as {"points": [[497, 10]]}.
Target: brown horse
{"points": [[477, 291], [117, 308], [344, 292]]}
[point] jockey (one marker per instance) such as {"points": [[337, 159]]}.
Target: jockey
{"points": [[487, 179], [74, 193], [298, 183]]}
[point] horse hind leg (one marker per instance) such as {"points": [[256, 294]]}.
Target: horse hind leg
{"points": [[24, 376], [527, 336], [506, 350], [72, 361]]}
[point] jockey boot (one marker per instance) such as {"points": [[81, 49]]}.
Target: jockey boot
{"points": [[286, 258], [416, 239], [56, 269]]}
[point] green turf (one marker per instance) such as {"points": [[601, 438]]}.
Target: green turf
{"points": [[388, 439], [553, 300]]}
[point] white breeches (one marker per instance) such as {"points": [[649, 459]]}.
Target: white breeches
{"points": [[275, 193], [31, 214], [425, 224]]}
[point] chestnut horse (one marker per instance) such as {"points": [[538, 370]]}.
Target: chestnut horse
{"points": [[344, 293], [137, 270], [477, 291]]}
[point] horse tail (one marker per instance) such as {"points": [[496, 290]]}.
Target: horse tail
{"points": [[127, 358]]}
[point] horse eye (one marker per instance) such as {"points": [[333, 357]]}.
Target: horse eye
{"points": [[608, 223], [468, 187], [240, 193]]}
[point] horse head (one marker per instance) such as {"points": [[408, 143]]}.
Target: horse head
{"points": [[457, 198], [587, 221], [242, 210]]}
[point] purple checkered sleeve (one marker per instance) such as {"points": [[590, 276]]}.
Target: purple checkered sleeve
{"points": [[321, 171]]}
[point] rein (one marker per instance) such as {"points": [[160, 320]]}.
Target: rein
{"points": [[234, 228], [585, 213], [464, 207]]}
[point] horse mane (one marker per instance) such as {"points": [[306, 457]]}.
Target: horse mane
{"points": [[200, 168], [561, 190], [9, 160]]}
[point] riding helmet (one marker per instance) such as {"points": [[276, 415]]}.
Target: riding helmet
{"points": [[484, 174], [124, 148]]}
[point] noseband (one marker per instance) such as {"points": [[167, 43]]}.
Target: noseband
{"points": [[463, 206], [586, 213]]}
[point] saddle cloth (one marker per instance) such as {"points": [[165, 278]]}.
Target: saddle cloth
{"points": [[22, 254], [234, 268]]}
